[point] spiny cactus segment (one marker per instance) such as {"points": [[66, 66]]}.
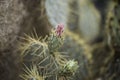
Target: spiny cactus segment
{"points": [[31, 74], [69, 68], [48, 57]]}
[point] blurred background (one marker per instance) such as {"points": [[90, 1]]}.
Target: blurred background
{"points": [[92, 34]]}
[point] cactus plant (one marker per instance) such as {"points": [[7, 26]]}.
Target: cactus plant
{"points": [[44, 53]]}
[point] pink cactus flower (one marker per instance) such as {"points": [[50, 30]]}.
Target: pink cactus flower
{"points": [[59, 30]]}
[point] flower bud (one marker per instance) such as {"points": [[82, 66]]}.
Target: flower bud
{"points": [[59, 30]]}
